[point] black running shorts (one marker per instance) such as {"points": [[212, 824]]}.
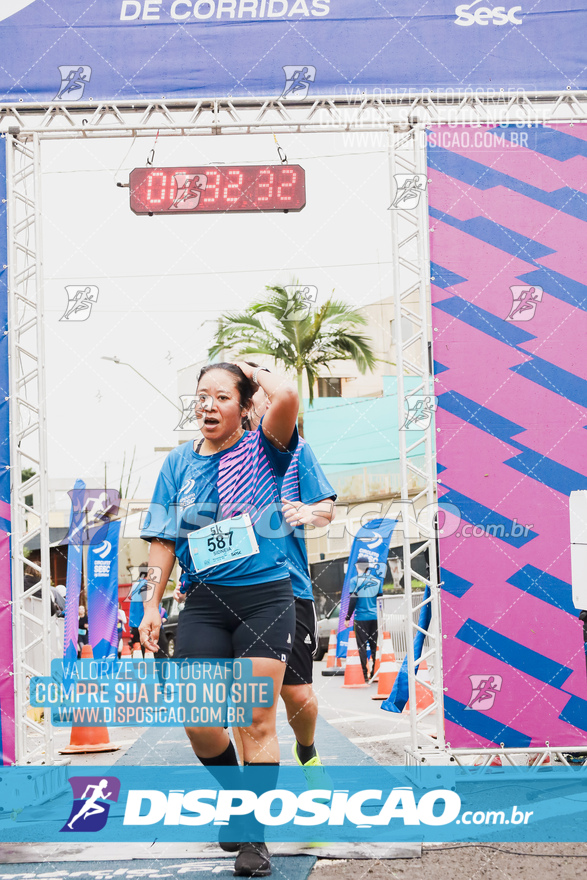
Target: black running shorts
{"points": [[301, 661], [257, 620]]}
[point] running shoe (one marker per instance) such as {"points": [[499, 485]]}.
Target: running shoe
{"points": [[252, 861], [316, 775]]}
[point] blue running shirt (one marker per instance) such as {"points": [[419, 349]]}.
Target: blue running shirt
{"points": [[193, 491], [304, 481], [367, 587]]}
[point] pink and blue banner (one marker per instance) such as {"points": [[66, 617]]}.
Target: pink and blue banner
{"points": [[103, 590], [508, 215], [6, 662]]}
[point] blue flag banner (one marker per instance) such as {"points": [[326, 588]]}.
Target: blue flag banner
{"points": [[103, 590], [400, 693], [74, 51], [75, 550], [372, 542]]}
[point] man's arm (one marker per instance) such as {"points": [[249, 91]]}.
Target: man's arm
{"points": [[319, 514], [351, 609]]}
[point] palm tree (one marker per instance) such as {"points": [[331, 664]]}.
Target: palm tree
{"points": [[302, 344]]}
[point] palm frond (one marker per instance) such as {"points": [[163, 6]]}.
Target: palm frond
{"points": [[324, 334]]}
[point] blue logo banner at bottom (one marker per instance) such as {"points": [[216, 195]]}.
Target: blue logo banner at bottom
{"points": [[363, 804]]}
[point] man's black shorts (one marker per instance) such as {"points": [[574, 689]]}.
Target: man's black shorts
{"points": [[257, 620], [301, 661]]}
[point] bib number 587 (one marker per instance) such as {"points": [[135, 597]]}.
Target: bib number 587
{"points": [[219, 541]]}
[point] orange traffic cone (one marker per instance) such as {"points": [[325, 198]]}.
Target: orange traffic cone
{"points": [[125, 650], [353, 672], [331, 658], [333, 663], [424, 697], [375, 676], [149, 655], [388, 670], [137, 653], [88, 739]]}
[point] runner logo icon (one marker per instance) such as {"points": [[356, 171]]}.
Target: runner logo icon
{"points": [[79, 302], [298, 79], [484, 689], [525, 300], [90, 802], [74, 79], [499, 15]]}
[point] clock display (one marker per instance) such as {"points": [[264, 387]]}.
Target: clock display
{"points": [[217, 189]]}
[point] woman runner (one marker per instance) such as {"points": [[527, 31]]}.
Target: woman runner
{"points": [[240, 608]]}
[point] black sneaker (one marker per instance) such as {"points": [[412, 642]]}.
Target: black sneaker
{"points": [[252, 861]]}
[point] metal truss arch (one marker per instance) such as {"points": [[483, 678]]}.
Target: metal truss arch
{"points": [[404, 117]]}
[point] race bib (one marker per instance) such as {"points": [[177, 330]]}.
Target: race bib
{"points": [[224, 541]]}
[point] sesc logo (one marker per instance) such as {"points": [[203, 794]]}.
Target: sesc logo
{"points": [[483, 15]]}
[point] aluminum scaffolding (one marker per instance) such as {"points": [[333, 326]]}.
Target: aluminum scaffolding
{"points": [[28, 447], [411, 283]]}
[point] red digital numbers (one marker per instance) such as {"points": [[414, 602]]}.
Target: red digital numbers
{"points": [[217, 189], [156, 184]]}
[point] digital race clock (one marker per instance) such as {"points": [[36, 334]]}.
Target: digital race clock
{"points": [[214, 189]]}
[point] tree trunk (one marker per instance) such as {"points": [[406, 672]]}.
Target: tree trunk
{"points": [[301, 409]]}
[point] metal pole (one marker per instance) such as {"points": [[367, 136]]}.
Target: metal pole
{"points": [[399, 345], [42, 440], [423, 242]]}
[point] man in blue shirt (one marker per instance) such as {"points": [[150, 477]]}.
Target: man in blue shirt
{"points": [[308, 500], [364, 588]]}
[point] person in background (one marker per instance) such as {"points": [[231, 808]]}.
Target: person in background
{"points": [[83, 637], [58, 600], [121, 623], [307, 499], [364, 588]]}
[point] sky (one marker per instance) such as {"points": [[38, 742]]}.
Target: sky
{"points": [[163, 281]]}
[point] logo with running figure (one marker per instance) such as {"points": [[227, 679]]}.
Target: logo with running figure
{"points": [[419, 411], [408, 189], [298, 79], [525, 299], [189, 419], [80, 299], [91, 795], [484, 689], [299, 301], [189, 191], [74, 79]]}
